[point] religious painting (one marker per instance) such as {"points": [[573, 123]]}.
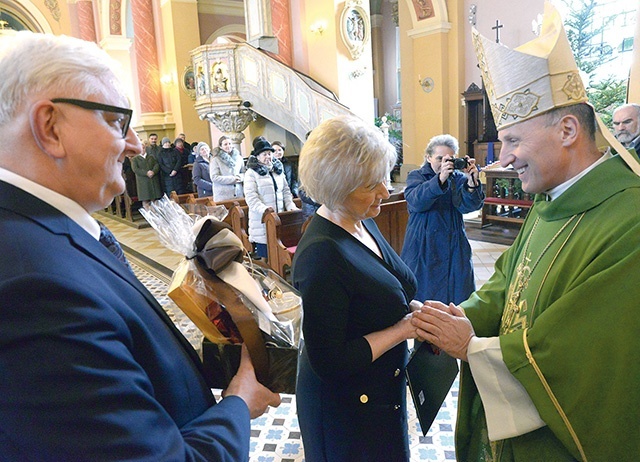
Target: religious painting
{"points": [[424, 9], [219, 77], [188, 82], [355, 27]]}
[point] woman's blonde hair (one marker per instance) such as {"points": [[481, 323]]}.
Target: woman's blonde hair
{"points": [[342, 154]]}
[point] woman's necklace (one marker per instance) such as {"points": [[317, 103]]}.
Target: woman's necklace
{"points": [[515, 313]]}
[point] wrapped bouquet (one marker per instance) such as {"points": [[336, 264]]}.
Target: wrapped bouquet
{"points": [[231, 300]]}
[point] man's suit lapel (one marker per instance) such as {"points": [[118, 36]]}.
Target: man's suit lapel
{"points": [[29, 206]]}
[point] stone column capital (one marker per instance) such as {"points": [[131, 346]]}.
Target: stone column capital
{"points": [[232, 122]]}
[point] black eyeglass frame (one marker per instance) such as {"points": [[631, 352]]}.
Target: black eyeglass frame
{"points": [[93, 106]]}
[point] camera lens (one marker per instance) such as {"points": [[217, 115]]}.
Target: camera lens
{"points": [[460, 163]]}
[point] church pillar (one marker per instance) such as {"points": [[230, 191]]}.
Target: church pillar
{"points": [[180, 35], [86, 21], [119, 48], [232, 122], [281, 20], [259, 24], [324, 50], [432, 57], [146, 59], [377, 46]]}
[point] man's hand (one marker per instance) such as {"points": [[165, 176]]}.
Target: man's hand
{"points": [[150, 173], [445, 327], [245, 385]]}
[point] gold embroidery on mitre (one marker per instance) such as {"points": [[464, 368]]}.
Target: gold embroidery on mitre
{"points": [[522, 104], [482, 64], [573, 87], [498, 113]]}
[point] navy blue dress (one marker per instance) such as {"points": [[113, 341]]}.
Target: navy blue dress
{"points": [[349, 408], [435, 244]]}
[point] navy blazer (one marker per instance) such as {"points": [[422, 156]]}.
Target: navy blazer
{"points": [[92, 367]]}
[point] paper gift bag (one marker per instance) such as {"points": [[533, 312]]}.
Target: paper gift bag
{"points": [[221, 362]]}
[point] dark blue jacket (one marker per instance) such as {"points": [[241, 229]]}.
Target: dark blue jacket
{"points": [[435, 244], [202, 178], [92, 367]]}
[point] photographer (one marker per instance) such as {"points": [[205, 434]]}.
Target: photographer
{"points": [[435, 245]]}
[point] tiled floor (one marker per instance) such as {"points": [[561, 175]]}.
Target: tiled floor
{"points": [[275, 436]]}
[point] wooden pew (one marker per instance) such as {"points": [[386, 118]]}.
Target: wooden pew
{"points": [[181, 198], [392, 222], [208, 201], [229, 203], [238, 220], [130, 204], [284, 230]]}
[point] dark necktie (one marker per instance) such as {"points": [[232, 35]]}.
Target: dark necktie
{"points": [[109, 241]]}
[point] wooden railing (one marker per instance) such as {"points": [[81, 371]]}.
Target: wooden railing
{"points": [[505, 201]]}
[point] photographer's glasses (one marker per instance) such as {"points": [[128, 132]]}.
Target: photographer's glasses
{"points": [[123, 122]]}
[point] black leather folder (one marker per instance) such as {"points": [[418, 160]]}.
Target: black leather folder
{"points": [[430, 376]]}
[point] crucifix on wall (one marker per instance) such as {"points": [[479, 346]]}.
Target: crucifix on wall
{"points": [[497, 28]]}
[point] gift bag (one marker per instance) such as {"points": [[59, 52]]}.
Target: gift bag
{"points": [[231, 300], [221, 360]]}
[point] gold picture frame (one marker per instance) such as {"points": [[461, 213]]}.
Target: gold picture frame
{"points": [[188, 82], [355, 27]]}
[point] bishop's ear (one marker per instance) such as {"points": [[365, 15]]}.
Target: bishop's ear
{"points": [[570, 128], [45, 120]]}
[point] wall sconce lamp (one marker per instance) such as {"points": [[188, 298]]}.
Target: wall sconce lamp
{"points": [[426, 84], [166, 79], [318, 27]]}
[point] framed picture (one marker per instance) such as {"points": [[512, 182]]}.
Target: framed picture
{"points": [[355, 27], [188, 82]]}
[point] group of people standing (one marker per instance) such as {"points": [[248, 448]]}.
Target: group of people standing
{"points": [[267, 181], [161, 168]]}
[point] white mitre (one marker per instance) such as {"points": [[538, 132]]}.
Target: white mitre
{"points": [[536, 77]]}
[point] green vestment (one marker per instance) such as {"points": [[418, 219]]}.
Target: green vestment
{"points": [[565, 302]]}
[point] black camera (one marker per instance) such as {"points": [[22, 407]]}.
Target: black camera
{"points": [[459, 163]]}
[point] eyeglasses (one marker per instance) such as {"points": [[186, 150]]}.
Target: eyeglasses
{"points": [[122, 122]]}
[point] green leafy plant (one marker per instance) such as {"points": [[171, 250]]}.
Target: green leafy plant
{"points": [[607, 94], [395, 137]]}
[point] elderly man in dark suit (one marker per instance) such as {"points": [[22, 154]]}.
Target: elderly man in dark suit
{"points": [[92, 367]]}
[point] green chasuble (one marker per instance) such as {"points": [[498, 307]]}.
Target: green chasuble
{"points": [[565, 302]]}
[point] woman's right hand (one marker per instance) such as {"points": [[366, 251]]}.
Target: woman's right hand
{"points": [[266, 212], [407, 327], [446, 168]]}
